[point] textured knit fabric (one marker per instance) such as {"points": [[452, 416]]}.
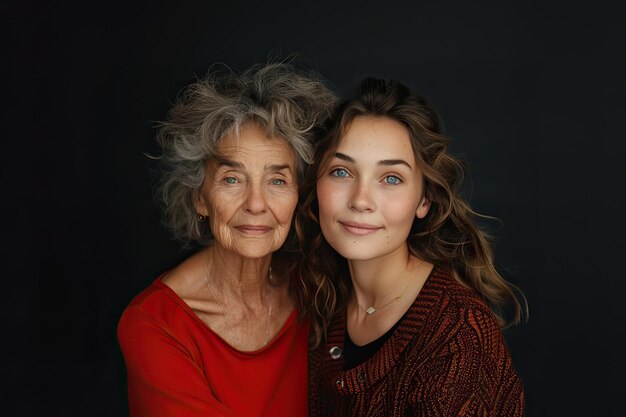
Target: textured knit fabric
{"points": [[446, 358], [177, 366]]}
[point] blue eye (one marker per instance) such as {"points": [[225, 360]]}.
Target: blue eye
{"points": [[339, 172], [278, 181], [392, 180], [230, 180]]}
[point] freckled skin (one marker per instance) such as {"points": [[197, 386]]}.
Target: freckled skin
{"points": [[250, 201]]}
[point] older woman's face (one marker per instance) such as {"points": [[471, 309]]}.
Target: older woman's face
{"points": [[250, 193]]}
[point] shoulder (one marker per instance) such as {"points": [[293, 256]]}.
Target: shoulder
{"points": [[155, 328], [149, 312], [152, 299], [461, 347], [455, 298], [462, 312]]}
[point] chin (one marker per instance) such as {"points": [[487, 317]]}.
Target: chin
{"points": [[365, 250], [255, 251], [355, 252]]}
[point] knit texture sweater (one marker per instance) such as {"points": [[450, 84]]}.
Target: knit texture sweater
{"points": [[446, 358]]}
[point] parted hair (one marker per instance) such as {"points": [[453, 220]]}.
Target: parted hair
{"points": [[287, 103], [448, 236]]}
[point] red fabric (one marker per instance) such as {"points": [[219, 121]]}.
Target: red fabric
{"points": [[177, 366]]}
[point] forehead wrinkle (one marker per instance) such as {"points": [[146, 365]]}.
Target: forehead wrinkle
{"points": [[221, 161]]}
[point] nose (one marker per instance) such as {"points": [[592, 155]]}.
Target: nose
{"points": [[361, 198], [255, 202]]}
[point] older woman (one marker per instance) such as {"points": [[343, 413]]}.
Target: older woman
{"points": [[222, 333]]}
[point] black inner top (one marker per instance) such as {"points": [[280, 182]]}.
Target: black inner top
{"points": [[355, 355]]}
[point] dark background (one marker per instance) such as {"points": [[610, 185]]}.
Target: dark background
{"points": [[532, 94]]}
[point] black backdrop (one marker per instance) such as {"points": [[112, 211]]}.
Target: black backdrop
{"points": [[532, 94]]}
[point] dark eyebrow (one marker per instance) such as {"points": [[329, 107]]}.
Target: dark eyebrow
{"points": [[344, 157], [389, 162], [384, 162]]}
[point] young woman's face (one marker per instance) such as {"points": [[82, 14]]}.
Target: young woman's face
{"points": [[371, 190], [250, 193]]}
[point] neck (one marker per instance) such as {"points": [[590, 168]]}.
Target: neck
{"points": [[243, 279], [376, 281]]}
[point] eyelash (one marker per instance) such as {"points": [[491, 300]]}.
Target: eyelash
{"points": [[336, 170], [335, 174], [276, 181], [399, 181]]}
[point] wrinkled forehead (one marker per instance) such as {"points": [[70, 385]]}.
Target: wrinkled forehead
{"points": [[252, 148], [251, 137]]}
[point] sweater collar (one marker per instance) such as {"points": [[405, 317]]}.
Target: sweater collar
{"points": [[378, 366]]}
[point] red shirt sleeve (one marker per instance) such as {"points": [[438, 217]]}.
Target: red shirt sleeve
{"points": [[164, 379]]}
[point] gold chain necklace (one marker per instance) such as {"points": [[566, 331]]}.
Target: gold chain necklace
{"points": [[372, 309], [236, 336]]}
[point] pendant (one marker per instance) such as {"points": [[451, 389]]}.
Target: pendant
{"points": [[371, 310]]}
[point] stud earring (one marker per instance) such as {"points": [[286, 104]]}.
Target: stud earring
{"points": [[200, 217]]}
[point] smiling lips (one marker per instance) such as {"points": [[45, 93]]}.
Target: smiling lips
{"points": [[359, 229], [250, 229]]}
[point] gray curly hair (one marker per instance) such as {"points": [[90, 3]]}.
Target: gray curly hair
{"points": [[286, 103]]}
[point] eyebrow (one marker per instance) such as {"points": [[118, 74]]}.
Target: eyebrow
{"points": [[382, 162], [277, 167], [221, 161]]}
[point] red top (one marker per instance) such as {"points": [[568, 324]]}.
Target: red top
{"points": [[177, 366]]}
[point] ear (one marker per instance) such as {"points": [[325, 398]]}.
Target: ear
{"points": [[422, 208], [199, 203]]}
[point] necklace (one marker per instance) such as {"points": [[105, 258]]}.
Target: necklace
{"points": [[234, 332], [371, 309]]}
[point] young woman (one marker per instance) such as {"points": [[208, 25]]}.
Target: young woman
{"points": [[408, 298]]}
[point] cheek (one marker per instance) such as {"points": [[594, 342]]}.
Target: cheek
{"points": [[401, 213], [215, 199], [284, 207], [219, 214], [328, 199]]}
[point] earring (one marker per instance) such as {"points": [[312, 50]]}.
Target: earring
{"points": [[200, 217]]}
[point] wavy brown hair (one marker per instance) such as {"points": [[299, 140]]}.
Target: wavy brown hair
{"points": [[448, 236]]}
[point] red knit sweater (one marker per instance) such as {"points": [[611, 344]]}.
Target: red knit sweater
{"points": [[446, 358]]}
